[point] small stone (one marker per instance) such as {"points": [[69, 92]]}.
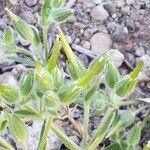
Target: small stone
{"points": [[119, 35], [139, 51], [101, 42], [97, 1], [30, 3], [77, 41], [87, 45], [69, 40], [110, 7], [14, 2], [18, 70], [146, 68], [148, 85], [119, 3], [84, 59], [29, 17], [99, 13], [111, 26], [117, 57], [53, 142], [143, 77], [129, 2], [79, 25], [9, 78], [2, 24], [130, 24], [114, 16]]}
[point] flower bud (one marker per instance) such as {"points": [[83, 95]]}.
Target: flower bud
{"points": [[51, 99], [44, 80], [10, 94], [26, 83], [25, 30]]}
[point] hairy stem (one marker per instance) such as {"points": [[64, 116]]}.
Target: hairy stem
{"points": [[102, 129], [86, 122], [45, 43], [44, 134], [65, 139]]}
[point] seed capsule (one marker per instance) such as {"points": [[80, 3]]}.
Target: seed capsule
{"points": [[26, 83]]}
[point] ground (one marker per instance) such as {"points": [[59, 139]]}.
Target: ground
{"points": [[97, 25]]}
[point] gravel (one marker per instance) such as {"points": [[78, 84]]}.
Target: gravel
{"points": [[101, 42]]}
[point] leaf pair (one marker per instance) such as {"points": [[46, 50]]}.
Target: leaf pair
{"points": [[124, 86]]}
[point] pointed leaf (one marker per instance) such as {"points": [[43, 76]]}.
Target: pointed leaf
{"points": [[46, 13], [21, 26], [134, 135], [26, 83], [136, 71], [111, 75], [10, 94], [94, 70], [3, 121], [62, 14], [18, 128], [54, 56], [9, 36], [57, 3]]}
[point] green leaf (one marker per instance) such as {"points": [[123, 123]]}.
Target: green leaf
{"points": [[125, 119], [114, 146], [36, 37], [26, 83], [27, 113], [111, 75], [57, 3], [134, 74], [3, 121], [44, 80], [20, 60], [125, 86], [46, 13], [5, 145], [62, 14], [95, 69], [54, 56], [51, 100], [58, 77], [18, 128], [91, 92], [9, 36], [134, 135], [9, 93], [68, 92], [44, 134]]}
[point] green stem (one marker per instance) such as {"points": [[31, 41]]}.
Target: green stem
{"points": [[86, 122], [65, 139], [45, 29], [102, 129], [44, 134]]}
